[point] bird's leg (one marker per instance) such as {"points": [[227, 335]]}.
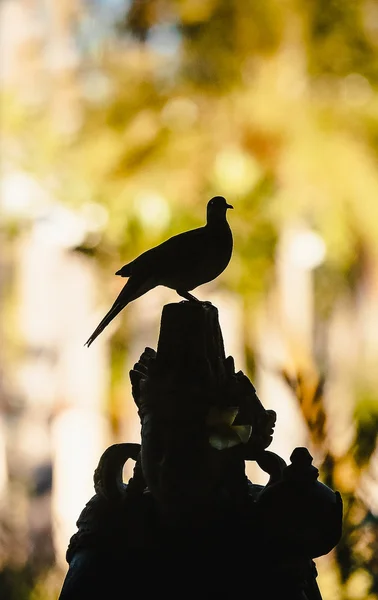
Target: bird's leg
{"points": [[187, 296]]}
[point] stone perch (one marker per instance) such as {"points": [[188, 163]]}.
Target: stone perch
{"points": [[189, 521]]}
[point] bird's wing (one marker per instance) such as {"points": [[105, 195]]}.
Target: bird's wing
{"points": [[126, 270], [178, 252]]}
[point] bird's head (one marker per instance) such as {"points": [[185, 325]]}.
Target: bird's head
{"points": [[216, 208]]}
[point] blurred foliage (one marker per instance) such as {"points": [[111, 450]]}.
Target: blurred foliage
{"points": [[274, 105]]}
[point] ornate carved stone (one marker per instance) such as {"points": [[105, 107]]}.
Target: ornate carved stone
{"points": [[189, 510]]}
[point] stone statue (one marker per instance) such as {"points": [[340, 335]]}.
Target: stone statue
{"points": [[189, 521]]}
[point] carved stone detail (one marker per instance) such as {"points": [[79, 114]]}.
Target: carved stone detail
{"points": [[189, 497]]}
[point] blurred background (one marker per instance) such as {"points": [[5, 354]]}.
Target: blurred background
{"points": [[120, 119]]}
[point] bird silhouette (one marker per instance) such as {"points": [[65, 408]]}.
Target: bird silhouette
{"points": [[182, 263]]}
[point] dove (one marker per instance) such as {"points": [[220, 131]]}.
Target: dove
{"points": [[182, 263]]}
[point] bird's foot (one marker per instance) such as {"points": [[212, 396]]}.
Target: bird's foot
{"points": [[188, 296]]}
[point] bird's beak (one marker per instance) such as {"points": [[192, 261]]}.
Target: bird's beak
{"points": [[229, 206]]}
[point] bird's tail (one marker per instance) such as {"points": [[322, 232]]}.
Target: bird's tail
{"points": [[113, 312], [134, 288]]}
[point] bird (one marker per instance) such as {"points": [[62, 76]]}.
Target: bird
{"points": [[182, 263]]}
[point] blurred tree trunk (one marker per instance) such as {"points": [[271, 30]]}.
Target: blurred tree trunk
{"points": [[64, 62]]}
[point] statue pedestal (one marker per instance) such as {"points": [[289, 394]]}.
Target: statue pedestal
{"points": [[189, 518]]}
